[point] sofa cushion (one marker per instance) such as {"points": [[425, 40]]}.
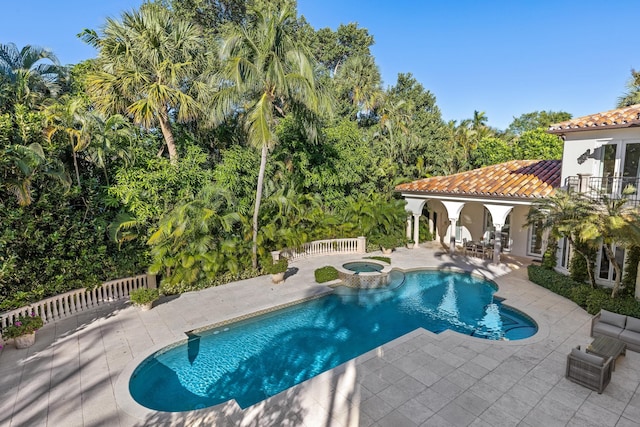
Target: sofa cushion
{"points": [[614, 319], [606, 329], [586, 357], [633, 324], [630, 337]]}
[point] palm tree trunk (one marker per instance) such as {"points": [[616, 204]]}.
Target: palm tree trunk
{"points": [[256, 210], [165, 126], [75, 164], [616, 268], [592, 280]]}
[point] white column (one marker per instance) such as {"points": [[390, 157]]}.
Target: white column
{"points": [[499, 215], [416, 230], [409, 227], [452, 235], [497, 243], [432, 226]]}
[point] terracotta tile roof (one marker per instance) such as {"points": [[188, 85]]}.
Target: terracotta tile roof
{"points": [[518, 178], [621, 117]]}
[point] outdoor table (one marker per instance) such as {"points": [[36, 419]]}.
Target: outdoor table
{"points": [[607, 347]]}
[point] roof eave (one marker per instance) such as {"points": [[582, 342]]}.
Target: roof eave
{"points": [[586, 129]]}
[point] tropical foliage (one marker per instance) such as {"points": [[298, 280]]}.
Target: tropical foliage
{"points": [[206, 134]]}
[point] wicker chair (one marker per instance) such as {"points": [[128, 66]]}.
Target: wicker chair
{"points": [[589, 370]]}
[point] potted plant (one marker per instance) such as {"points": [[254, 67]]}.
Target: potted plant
{"points": [[144, 297], [277, 269], [411, 243], [387, 244], [23, 330]]}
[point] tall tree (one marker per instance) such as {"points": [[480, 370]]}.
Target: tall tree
{"points": [[536, 120], [612, 221], [632, 95], [151, 68], [28, 75], [563, 214], [333, 48], [267, 75], [358, 85], [70, 117]]}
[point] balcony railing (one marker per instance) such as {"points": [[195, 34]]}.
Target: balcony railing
{"points": [[610, 186]]}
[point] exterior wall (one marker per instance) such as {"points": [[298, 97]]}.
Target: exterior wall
{"points": [[472, 221], [519, 232], [577, 143]]}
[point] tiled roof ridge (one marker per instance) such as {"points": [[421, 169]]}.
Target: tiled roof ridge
{"points": [[618, 117]]}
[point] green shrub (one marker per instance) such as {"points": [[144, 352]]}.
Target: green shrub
{"points": [[144, 296], [279, 266], [555, 282], [388, 242], [592, 299], [578, 265], [23, 326], [580, 294], [326, 274], [631, 270], [380, 258], [549, 259], [601, 299], [220, 279]]}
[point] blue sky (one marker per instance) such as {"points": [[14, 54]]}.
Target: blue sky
{"points": [[504, 57]]}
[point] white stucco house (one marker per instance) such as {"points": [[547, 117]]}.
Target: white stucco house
{"points": [[601, 152]]}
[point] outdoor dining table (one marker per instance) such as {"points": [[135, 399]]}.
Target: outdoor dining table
{"points": [[479, 248]]}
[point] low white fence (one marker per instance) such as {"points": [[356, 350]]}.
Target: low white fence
{"points": [[357, 245], [64, 305]]}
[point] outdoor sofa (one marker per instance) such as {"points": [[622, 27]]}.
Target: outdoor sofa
{"points": [[624, 328]]}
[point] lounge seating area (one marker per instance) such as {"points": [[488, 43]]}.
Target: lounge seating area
{"points": [[624, 328], [589, 370]]}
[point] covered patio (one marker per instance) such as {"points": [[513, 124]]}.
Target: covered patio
{"points": [[489, 204]]}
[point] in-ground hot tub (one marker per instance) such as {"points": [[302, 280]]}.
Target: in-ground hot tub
{"points": [[363, 267], [364, 274]]}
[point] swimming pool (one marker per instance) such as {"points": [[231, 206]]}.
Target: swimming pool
{"points": [[257, 358]]}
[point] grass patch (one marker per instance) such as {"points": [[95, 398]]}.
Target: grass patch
{"points": [[326, 274], [380, 258]]}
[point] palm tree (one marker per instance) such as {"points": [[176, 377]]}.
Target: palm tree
{"points": [[265, 75], [110, 137], [151, 69], [19, 166], [632, 96], [612, 222], [358, 80], [28, 75], [563, 214], [194, 241], [69, 116]]}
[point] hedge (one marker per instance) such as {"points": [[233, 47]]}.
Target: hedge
{"points": [[326, 274], [593, 300]]}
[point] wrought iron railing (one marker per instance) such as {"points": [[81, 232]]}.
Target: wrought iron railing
{"points": [[611, 186]]}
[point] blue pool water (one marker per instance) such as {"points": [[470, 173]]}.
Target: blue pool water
{"points": [[363, 267], [257, 358]]}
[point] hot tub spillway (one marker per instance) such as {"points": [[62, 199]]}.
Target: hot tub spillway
{"points": [[364, 274]]}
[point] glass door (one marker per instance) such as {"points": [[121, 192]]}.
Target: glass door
{"points": [[631, 167], [608, 168], [605, 270]]}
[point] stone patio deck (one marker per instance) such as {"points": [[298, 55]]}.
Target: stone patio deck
{"points": [[77, 372]]}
